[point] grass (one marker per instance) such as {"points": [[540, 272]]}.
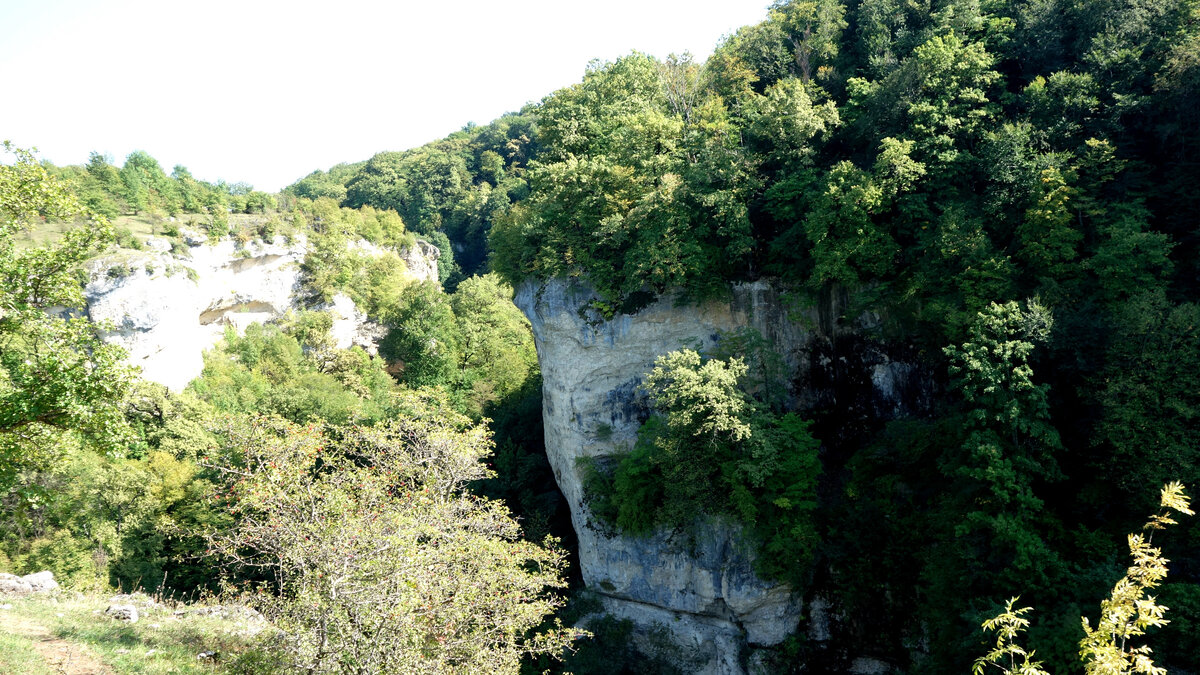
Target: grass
{"points": [[17, 655], [141, 227], [160, 642]]}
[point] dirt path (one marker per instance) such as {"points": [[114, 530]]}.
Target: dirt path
{"points": [[67, 658]]}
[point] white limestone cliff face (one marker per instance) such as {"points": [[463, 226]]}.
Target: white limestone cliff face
{"points": [[706, 595], [166, 309], [421, 260]]}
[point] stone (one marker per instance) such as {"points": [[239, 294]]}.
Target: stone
{"points": [[421, 260], [38, 582], [158, 244], [126, 613], [192, 237], [351, 327], [11, 584], [41, 582]]}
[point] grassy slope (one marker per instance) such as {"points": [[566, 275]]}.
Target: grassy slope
{"points": [[160, 642]]}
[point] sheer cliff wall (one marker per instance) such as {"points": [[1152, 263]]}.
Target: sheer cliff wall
{"points": [[705, 594]]}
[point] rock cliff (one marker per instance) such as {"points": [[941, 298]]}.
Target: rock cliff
{"points": [[706, 594], [165, 308]]}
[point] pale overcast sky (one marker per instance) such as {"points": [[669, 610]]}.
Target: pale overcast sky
{"points": [[265, 92]]}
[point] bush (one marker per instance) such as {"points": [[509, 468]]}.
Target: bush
{"points": [[126, 239], [218, 223], [384, 563], [712, 449]]}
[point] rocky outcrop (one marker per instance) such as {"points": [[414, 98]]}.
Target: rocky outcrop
{"points": [[351, 326], [421, 260], [39, 582], [165, 308], [705, 594]]}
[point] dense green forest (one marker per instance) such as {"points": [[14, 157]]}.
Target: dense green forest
{"points": [[1009, 185]]}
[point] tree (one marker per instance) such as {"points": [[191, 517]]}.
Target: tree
{"points": [[422, 336], [381, 561], [56, 374], [1010, 444], [950, 106], [785, 126], [496, 350], [814, 27]]}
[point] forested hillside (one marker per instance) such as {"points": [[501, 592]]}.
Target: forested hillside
{"points": [[1008, 188], [1010, 185]]}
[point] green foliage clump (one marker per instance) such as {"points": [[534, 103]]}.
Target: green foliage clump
{"points": [[629, 195], [474, 343], [268, 370], [711, 449]]}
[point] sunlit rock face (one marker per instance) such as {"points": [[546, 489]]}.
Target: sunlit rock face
{"points": [[166, 309], [422, 260], [704, 594]]}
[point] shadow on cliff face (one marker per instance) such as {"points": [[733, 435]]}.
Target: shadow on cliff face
{"points": [[524, 479], [852, 382], [854, 385]]}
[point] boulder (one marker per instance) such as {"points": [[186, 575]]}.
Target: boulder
{"points": [[126, 613], [42, 582], [11, 584], [38, 582]]}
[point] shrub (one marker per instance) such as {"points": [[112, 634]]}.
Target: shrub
{"points": [[383, 562], [126, 239], [712, 449], [218, 223]]}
